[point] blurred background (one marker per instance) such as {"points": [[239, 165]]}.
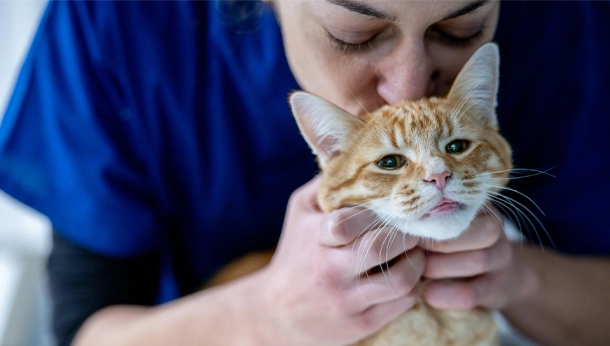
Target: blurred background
{"points": [[25, 235]]}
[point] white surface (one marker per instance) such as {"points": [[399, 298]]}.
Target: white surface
{"points": [[24, 233], [18, 21], [23, 228], [11, 271]]}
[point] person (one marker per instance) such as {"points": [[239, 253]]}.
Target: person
{"points": [[157, 138]]}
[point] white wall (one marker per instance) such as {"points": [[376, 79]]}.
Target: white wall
{"points": [[24, 234]]}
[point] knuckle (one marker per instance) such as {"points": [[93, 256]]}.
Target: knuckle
{"points": [[376, 250], [506, 253], [479, 260], [326, 274], [364, 322], [295, 198], [409, 242], [338, 230], [466, 296], [341, 305], [409, 277], [377, 246], [403, 284], [493, 228]]}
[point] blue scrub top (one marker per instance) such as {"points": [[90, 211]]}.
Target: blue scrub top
{"points": [[141, 127]]}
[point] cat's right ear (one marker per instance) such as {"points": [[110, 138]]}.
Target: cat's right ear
{"points": [[476, 86], [323, 125]]}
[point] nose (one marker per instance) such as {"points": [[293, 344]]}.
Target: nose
{"points": [[406, 74], [440, 179]]}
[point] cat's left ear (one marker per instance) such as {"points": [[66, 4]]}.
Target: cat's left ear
{"points": [[323, 125], [476, 86]]}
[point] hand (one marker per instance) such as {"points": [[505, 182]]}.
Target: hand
{"points": [[478, 268], [319, 287]]}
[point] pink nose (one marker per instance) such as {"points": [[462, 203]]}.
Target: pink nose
{"points": [[440, 179]]}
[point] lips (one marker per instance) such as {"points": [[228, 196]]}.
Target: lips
{"points": [[445, 206]]}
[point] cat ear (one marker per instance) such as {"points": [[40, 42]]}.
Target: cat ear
{"points": [[323, 125], [476, 86]]}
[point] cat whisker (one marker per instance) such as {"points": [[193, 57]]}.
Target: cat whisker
{"points": [[520, 170], [362, 267], [366, 246], [394, 231], [518, 192], [510, 206], [515, 218], [357, 269], [364, 210], [489, 210], [390, 238], [512, 201]]}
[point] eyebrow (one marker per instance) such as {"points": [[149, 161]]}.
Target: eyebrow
{"points": [[467, 9], [364, 9], [367, 10]]}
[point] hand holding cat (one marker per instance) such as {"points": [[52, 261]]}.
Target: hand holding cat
{"points": [[318, 291], [478, 268]]}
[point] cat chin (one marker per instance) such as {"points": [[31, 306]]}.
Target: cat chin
{"points": [[442, 227]]}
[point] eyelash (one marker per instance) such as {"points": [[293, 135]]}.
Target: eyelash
{"points": [[453, 41], [458, 41], [346, 47]]}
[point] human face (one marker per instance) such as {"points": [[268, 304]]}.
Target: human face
{"points": [[362, 54]]}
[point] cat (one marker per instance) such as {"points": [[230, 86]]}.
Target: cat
{"points": [[424, 167]]}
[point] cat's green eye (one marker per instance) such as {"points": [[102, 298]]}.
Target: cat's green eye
{"points": [[391, 162], [457, 147]]}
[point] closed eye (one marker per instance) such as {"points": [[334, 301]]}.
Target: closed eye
{"points": [[347, 47]]}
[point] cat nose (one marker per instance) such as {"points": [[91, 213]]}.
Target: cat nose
{"points": [[440, 179]]}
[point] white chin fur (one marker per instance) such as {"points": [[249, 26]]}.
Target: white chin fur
{"points": [[441, 227]]}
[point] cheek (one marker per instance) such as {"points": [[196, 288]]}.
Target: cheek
{"points": [[343, 80], [449, 62], [346, 80]]}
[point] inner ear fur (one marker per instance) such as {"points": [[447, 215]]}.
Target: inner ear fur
{"points": [[323, 125], [476, 86]]}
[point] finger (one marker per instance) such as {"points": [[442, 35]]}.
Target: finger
{"points": [[484, 231], [468, 263], [482, 291], [345, 225], [387, 284], [374, 248], [380, 315], [450, 294]]}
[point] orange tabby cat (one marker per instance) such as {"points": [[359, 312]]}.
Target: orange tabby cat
{"points": [[424, 167]]}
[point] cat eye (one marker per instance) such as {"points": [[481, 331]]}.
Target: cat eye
{"points": [[391, 162], [457, 147]]}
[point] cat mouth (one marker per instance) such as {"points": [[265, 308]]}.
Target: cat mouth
{"points": [[445, 206]]}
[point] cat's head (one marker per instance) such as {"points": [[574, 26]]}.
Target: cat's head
{"points": [[425, 167]]}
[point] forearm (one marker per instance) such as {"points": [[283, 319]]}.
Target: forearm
{"points": [[224, 315], [568, 301]]}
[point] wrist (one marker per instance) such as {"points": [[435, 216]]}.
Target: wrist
{"points": [[247, 310]]}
